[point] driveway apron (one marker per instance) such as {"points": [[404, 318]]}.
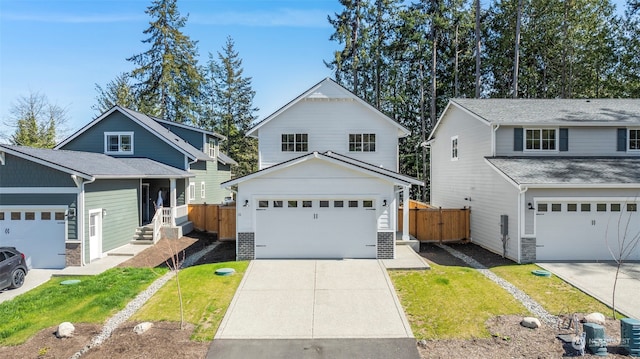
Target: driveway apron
{"points": [[315, 299]]}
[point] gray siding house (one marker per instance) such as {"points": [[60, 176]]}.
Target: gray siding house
{"points": [[70, 205], [547, 180]]}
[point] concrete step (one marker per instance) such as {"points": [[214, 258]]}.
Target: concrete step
{"points": [[141, 241]]}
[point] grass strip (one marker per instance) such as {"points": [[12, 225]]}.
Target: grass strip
{"points": [[449, 302]]}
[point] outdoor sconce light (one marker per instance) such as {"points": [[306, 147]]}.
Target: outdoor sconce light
{"points": [[246, 203], [384, 203], [530, 206], [104, 212], [71, 213]]}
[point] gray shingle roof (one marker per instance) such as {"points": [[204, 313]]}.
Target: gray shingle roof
{"points": [[100, 165], [569, 170], [558, 111]]}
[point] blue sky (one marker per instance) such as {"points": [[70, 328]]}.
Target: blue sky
{"points": [[62, 48]]}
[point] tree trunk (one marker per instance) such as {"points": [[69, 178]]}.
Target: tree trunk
{"points": [[477, 48], [516, 56]]}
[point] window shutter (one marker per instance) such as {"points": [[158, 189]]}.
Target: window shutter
{"points": [[622, 139], [564, 139], [517, 139]]}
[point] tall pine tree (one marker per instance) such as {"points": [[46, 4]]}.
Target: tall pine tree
{"points": [[168, 76], [229, 104]]}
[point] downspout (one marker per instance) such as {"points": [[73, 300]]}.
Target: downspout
{"points": [[186, 189], [493, 140], [80, 215], [521, 220]]}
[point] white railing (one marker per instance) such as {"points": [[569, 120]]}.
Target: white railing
{"points": [[181, 214], [157, 224], [167, 216]]}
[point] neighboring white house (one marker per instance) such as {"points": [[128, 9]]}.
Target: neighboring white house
{"points": [[565, 173], [328, 184]]}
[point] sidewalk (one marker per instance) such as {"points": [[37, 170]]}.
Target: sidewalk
{"points": [[36, 277]]}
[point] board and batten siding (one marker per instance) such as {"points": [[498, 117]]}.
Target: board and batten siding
{"points": [[328, 124], [145, 144], [470, 182], [313, 180], [583, 141], [19, 172], [120, 199], [212, 173]]}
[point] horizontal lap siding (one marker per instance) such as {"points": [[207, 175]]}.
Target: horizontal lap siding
{"points": [[212, 173], [583, 141], [471, 177], [18, 172], [145, 144], [121, 200], [328, 124]]}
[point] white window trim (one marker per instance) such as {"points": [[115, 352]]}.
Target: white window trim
{"points": [[192, 191], [629, 139], [556, 139], [212, 149], [454, 139], [119, 134], [202, 189], [362, 142]]}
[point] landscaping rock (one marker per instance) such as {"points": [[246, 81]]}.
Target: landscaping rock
{"points": [[65, 330], [597, 318], [422, 343], [142, 327], [530, 322]]}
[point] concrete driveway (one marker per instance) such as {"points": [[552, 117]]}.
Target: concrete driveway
{"points": [[314, 309], [596, 279]]}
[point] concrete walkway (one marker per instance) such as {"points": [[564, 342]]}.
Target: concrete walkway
{"points": [[37, 277], [596, 279]]}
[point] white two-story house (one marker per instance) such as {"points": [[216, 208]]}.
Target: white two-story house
{"points": [[546, 180], [328, 184]]}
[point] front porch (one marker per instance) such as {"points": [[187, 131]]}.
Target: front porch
{"points": [[167, 222]]}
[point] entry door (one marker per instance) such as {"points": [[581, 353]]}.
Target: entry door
{"points": [[145, 202], [95, 234]]}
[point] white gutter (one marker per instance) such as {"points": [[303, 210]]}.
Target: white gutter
{"points": [[493, 140]]}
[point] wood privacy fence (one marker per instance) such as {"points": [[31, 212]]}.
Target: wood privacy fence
{"points": [[437, 224], [214, 218]]}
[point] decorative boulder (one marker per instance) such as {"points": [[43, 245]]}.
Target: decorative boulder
{"points": [[596, 318], [65, 330], [530, 322], [142, 327]]}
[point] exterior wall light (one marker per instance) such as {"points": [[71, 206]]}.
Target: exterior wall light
{"points": [[384, 203], [246, 203]]}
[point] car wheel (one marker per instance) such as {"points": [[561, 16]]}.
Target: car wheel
{"points": [[17, 278]]}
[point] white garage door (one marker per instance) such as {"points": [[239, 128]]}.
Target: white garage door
{"points": [[298, 228], [585, 230], [38, 233]]}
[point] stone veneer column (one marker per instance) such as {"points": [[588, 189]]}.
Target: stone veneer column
{"points": [[73, 254], [385, 245], [527, 250], [246, 246]]}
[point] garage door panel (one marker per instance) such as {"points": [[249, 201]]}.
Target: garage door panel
{"points": [[584, 231], [315, 232], [38, 233]]}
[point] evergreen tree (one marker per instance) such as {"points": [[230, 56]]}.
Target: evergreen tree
{"points": [[230, 109], [36, 121], [117, 92], [168, 73]]}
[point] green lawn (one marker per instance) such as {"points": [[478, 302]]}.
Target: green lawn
{"points": [[206, 297], [93, 300], [554, 294], [451, 302]]}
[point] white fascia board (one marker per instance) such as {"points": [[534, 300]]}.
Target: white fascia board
{"points": [[277, 167], [583, 185], [40, 190], [86, 127], [457, 105], [504, 175]]}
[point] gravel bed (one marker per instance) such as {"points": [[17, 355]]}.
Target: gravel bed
{"points": [[520, 296], [122, 316]]}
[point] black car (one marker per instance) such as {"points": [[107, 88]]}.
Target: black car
{"points": [[13, 268]]}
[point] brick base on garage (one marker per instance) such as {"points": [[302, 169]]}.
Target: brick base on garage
{"points": [[246, 246], [73, 254], [385, 245]]}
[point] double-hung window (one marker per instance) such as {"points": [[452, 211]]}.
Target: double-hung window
{"points": [[540, 139], [119, 143], [634, 139], [295, 142], [362, 142]]}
